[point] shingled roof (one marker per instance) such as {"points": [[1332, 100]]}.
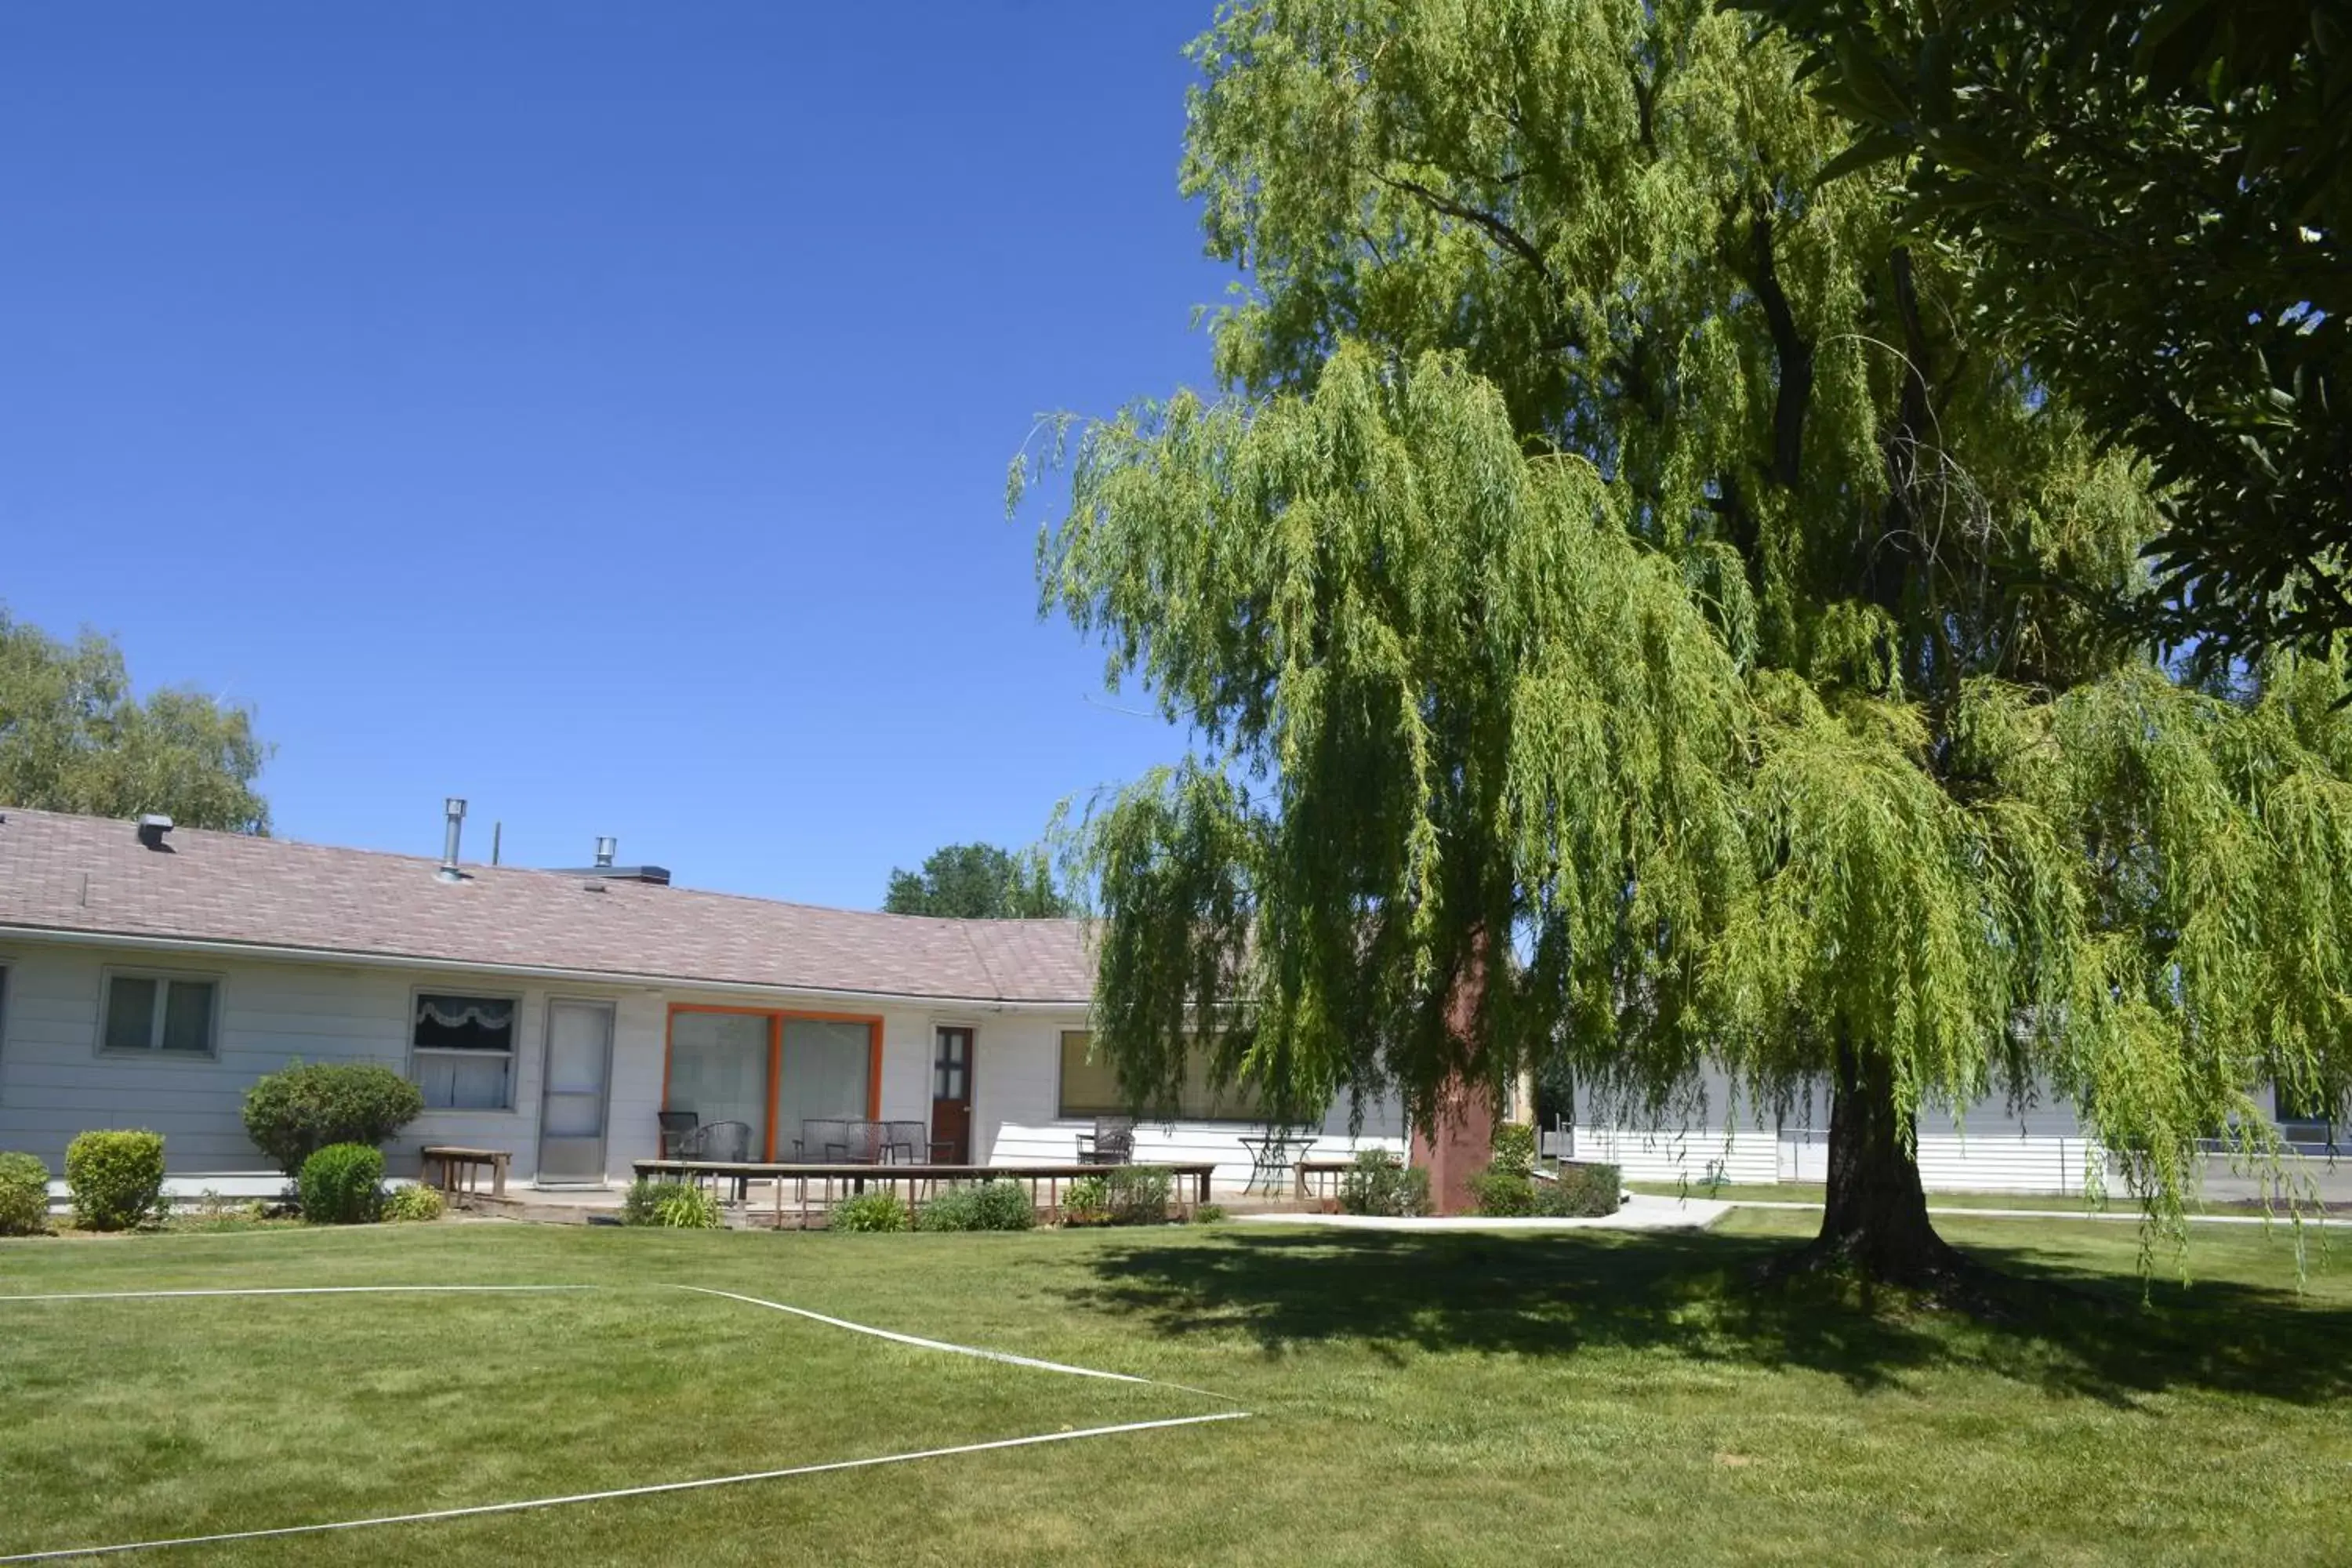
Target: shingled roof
{"points": [[61, 874]]}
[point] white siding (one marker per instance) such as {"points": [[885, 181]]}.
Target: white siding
{"points": [[1017, 1111]]}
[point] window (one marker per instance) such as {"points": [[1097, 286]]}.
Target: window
{"points": [[463, 1055], [1090, 1087], [2305, 1118], [170, 1013]]}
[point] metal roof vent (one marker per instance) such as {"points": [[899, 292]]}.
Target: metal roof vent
{"points": [[152, 829], [455, 807], [607, 848]]}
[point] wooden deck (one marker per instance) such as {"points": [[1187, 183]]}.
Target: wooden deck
{"points": [[813, 1188]]}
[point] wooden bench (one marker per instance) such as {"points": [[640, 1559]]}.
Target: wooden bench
{"points": [[471, 1163]]}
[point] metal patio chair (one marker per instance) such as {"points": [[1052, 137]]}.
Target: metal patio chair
{"points": [[676, 1126], [1112, 1142], [905, 1142], [823, 1140], [721, 1142]]}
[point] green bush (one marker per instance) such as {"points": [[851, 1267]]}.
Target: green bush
{"points": [[116, 1179], [24, 1195], [1138, 1194], [1580, 1191], [292, 1114], [1087, 1201], [342, 1184], [1381, 1184], [413, 1203], [1208, 1214], [1502, 1194], [670, 1205], [870, 1213], [1515, 1148], [981, 1205]]}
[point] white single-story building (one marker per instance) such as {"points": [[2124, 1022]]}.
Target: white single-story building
{"points": [[148, 976]]}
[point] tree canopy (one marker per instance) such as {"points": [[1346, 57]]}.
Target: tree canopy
{"points": [[73, 737], [1638, 614], [976, 882], [2154, 194]]}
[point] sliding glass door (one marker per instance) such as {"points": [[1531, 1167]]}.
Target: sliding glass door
{"points": [[827, 1072], [719, 1070]]}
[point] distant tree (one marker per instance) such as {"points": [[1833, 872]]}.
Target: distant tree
{"points": [[2154, 193], [976, 882], [74, 737]]}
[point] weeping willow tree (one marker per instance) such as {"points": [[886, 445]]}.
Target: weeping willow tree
{"points": [[1633, 619]]}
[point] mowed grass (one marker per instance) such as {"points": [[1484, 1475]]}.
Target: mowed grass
{"points": [[1448, 1398]]}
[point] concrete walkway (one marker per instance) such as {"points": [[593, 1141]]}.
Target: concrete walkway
{"points": [[1641, 1212], [2131, 1217]]}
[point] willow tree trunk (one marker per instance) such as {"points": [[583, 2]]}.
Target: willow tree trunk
{"points": [[1874, 1218]]}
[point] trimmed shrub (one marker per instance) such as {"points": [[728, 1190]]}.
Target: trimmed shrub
{"points": [[1208, 1214], [413, 1203], [24, 1195], [1502, 1194], [342, 1184], [1580, 1191], [1515, 1148], [981, 1206], [1138, 1194], [1381, 1184], [870, 1213], [671, 1206], [116, 1178], [1087, 1201], [293, 1114]]}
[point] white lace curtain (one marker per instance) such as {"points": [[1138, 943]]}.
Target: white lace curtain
{"points": [[457, 1012]]}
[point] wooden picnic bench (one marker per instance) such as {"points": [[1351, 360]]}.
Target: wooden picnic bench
{"points": [[471, 1163], [1311, 1174]]}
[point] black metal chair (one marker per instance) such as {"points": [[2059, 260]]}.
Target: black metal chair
{"points": [[1112, 1142], [676, 1126], [823, 1140], [905, 1142], [721, 1142]]}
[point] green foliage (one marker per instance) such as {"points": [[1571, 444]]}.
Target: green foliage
{"points": [[342, 1184], [24, 1195], [1502, 1193], [671, 1206], [1087, 1201], [977, 882], [979, 1206], [73, 737], [1580, 1190], [870, 1214], [1137, 1195], [1378, 1182], [116, 1179], [2155, 193], [1622, 554], [413, 1203], [1515, 1148], [1208, 1214], [293, 1112]]}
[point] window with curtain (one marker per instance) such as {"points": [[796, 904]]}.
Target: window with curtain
{"points": [[160, 1013], [827, 1073], [1090, 1087], [462, 1051]]}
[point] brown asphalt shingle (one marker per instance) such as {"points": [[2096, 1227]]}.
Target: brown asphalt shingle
{"points": [[91, 874]]}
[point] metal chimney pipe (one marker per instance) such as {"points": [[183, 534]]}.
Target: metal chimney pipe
{"points": [[456, 807], [607, 848]]}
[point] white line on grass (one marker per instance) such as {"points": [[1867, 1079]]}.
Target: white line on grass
{"points": [[299, 1290], [659, 1488], [651, 1491]]}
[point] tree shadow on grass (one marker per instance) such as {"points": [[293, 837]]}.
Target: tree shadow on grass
{"points": [[2074, 1329]]}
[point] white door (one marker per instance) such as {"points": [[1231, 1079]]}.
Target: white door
{"points": [[578, 1083]]}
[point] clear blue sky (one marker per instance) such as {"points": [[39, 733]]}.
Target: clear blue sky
{"points": [[598, 411]]}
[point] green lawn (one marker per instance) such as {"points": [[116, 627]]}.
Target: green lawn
{"points": [[1811, 1193], [1438, 1398]]}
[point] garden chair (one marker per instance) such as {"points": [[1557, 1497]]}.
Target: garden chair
{"points": [[905, 1142], [676, 1125], [721, 1142], [823, 1140], [1112, 1142]]}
